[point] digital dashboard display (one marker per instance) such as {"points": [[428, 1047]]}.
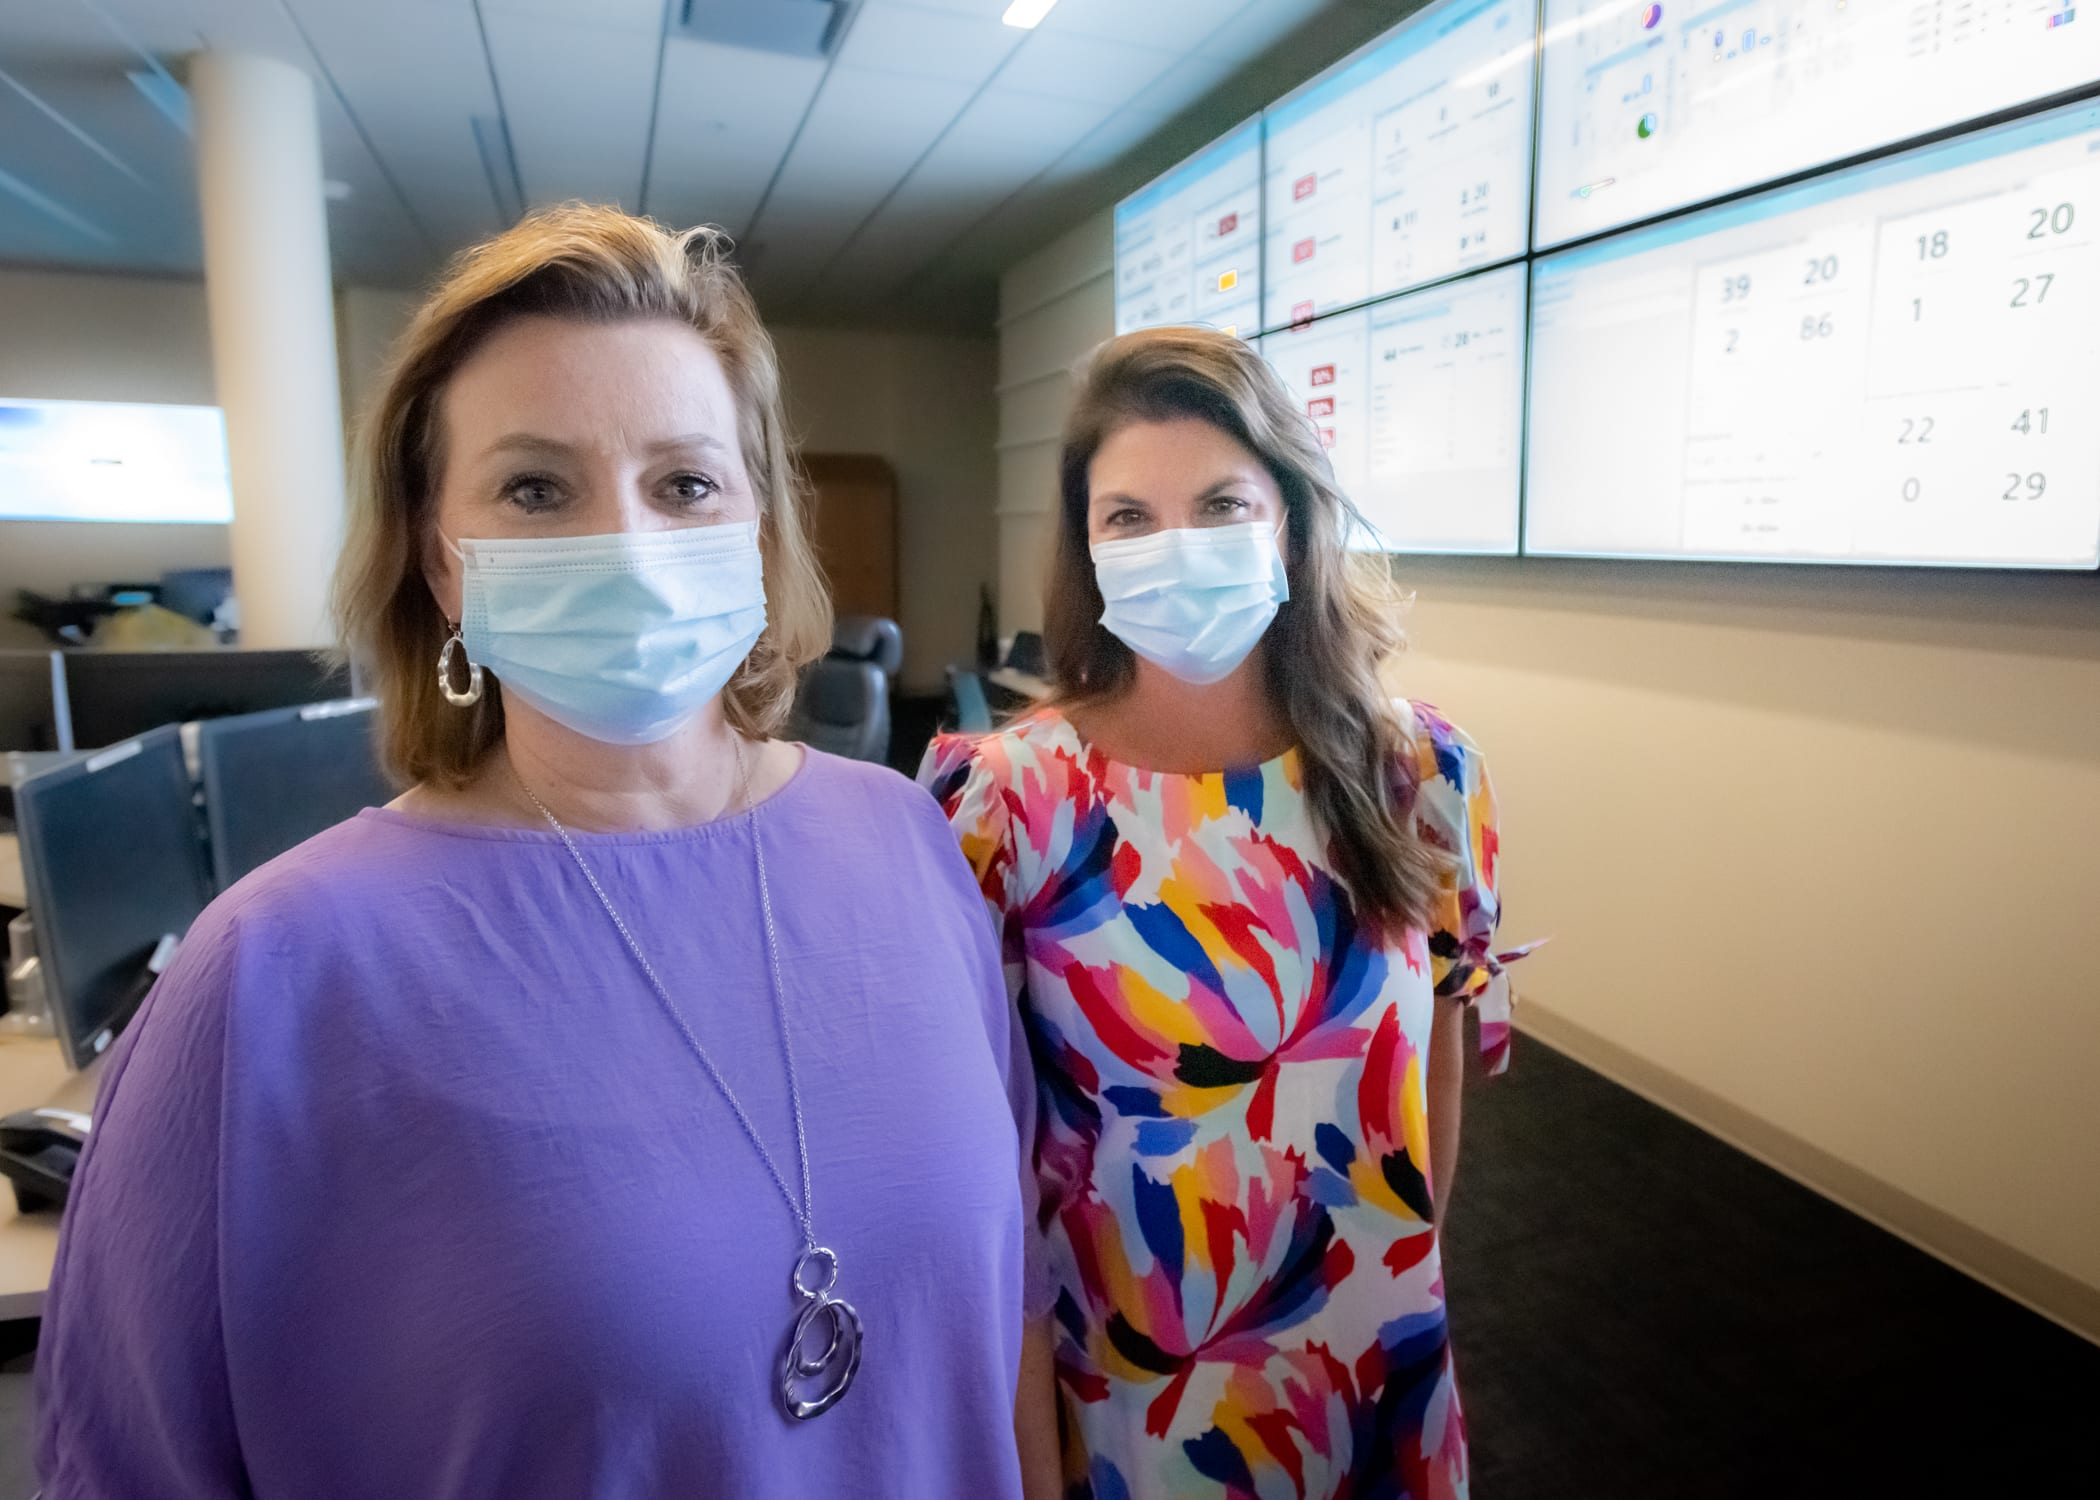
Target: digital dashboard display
{"points": [[1891, 364], [113, 461], [1188, 247], [1420, 401], [1409, 162], [1646, 108]]}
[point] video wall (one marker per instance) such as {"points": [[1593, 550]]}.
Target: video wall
{"points": [[1754, 280]]}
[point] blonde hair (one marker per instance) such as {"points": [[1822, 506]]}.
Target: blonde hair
{"points": [[591, 265], [1324, 650]]}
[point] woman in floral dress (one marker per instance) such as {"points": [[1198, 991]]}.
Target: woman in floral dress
{"points": [[1244, 898]]}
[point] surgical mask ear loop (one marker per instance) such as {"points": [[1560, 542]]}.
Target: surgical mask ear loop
{"points": [[454, 696]]}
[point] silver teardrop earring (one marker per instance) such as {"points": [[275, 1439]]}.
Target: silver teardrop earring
{"points": [[454, 696]]}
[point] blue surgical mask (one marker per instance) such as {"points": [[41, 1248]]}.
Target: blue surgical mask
{"points": [[623, 637], [1193, 601]]}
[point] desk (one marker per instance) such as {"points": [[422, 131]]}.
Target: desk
{"points": [[33, 1073], [1027, 684], [14, 891]]}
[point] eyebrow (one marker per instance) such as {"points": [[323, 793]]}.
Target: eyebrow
{"points": [[529, 443], [1117, 497]]}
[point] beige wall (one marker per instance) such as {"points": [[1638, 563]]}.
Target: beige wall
{"points": [[1053, 308], [923, 402], [1817, 849]]}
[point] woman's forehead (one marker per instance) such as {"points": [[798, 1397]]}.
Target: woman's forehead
{"points": [[628, 386]]}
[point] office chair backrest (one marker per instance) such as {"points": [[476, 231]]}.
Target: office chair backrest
{"points": [[973, 710], [869, 638], [843, 708]]}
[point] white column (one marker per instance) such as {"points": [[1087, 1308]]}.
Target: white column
{"points": [[272, 337]]}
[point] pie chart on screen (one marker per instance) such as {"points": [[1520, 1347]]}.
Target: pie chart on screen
{"points": [[1651, 17]]}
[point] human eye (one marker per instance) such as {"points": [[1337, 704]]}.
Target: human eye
{"points": [[534, 494], [1226, 505], [689, 488]]}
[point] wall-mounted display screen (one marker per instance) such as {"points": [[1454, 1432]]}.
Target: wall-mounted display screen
{"points": [[1764, 280], [1407, 163], [1188, 247], [1420, 400], [112, 461], [1648, 108], [1890, 364]]}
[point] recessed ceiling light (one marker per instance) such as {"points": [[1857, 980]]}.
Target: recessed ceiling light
{"points": [[1026, 13], [334, 190]]}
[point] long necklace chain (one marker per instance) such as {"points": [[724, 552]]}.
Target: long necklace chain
{"points": [[804, 1211]]}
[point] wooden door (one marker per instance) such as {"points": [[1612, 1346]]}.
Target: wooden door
{"points": [[855, 526]]}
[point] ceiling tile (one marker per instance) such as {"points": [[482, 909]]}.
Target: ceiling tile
{"points": [[415, 81], [984, 10], [577, 99], [726, 117], [1176, 25], [601, 15], [932, 43], [839, 154], [1004, 139], [1081, 67], [1185, 84], [1256, 28]]}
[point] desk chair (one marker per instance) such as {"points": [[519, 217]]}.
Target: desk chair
{"points": [[869, 638], [843, 708], [973, 710]]}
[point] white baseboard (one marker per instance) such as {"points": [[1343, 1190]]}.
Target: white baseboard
{"points": [[2057, 1296]]}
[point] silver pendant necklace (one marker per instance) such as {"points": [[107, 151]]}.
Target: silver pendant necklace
{"points": [[822, 1355]]}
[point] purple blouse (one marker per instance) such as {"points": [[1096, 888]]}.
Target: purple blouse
{"points": [[403, 1184]]}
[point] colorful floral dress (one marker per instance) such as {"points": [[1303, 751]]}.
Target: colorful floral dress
{"points": [[1233, 1147]]}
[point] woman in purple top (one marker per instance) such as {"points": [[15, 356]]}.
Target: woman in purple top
{"points": [[632, 1108]]}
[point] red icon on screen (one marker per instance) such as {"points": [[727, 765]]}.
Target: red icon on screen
{"points": [[1320, 406], [1326, 437], [1301, 315], [1323, 374], [1229, 223], [1303, 250], [1305, 186]]}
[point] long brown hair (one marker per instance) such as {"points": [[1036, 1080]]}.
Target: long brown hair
{"points": [[593, 265], [1325, 647]]}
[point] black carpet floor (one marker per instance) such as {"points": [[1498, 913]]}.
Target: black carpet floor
{"points": [[1641, 1310]]}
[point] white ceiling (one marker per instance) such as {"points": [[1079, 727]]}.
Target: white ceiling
{"points": [[887, 183]]}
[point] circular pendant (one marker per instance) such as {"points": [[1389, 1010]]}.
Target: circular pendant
{"points": [[823, 1351]]}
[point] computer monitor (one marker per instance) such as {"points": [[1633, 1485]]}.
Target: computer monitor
{"points": [[115, 875], [275, 779], [117, 694], [33, 712]]}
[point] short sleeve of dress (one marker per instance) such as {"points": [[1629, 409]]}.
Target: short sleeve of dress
{"points": [[971, 790], [970, 797], [1454, 805]]}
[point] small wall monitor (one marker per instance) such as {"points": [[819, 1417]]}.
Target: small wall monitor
{"points": [[116, 694], [1891, 364], [1645, 109], [1401, 165], [1188, 246], [273, 780], [113, 461], [1420, 401], [115, 875]]}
